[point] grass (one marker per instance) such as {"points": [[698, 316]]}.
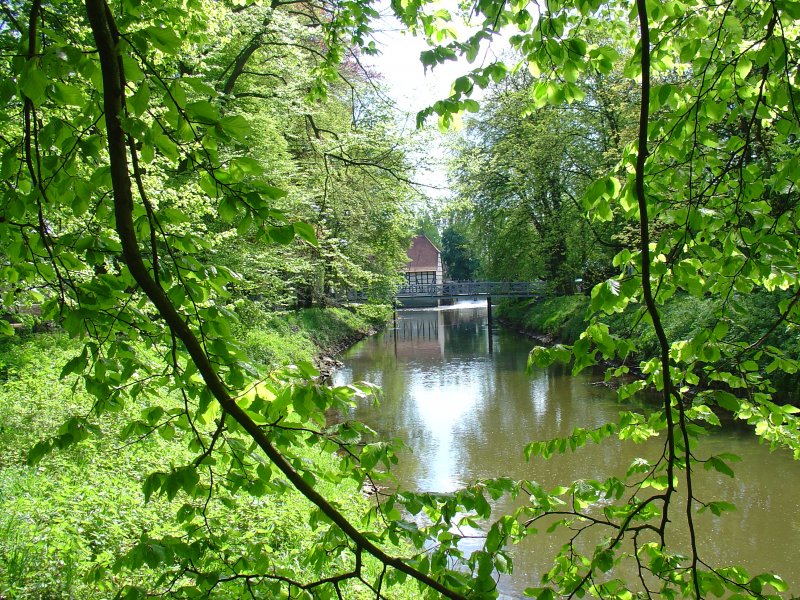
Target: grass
{"points": [[279, 338], [66, 521], [76, 507], [561, 317]]}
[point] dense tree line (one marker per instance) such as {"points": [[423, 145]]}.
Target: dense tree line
{"points": [[334, 165]]}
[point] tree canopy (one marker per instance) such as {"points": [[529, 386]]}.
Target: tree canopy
{"points": [[152, 150]]}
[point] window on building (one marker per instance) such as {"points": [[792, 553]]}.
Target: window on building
{"points": [[420, 278]]}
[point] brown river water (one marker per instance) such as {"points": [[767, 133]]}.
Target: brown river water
{"points": [[466, 413]]}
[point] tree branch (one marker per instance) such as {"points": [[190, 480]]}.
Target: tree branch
{"points": [[113, 101]]}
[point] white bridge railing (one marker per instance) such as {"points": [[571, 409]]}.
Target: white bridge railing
{"points": [[472, 288], [499, 289]]}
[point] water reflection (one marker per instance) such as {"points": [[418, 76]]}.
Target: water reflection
{"points": [[466, 414]]}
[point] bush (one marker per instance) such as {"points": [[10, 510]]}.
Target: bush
{"points": [[751, 317]]}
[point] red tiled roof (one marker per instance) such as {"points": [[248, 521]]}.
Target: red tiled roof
{"points": [[423, 255]]}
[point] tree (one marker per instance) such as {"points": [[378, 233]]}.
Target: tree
{"points": [[341, 164], [710, 183], [456, 255], [703, 198], [90, 229], [428, 224], [521, 172]]}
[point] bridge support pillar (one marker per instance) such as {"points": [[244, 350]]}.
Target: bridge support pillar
{"points": [[489, 322]]}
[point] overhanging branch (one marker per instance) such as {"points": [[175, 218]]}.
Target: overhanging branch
{"points": [[114, 101]]}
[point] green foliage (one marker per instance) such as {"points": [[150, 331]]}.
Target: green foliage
{"points": [[152, 177], [79, 507], [712, 207], [428, 225], [519, 173], [461, 265], [69, 521], [684, 318], [235, 187], [275, 339], [562, 317]]}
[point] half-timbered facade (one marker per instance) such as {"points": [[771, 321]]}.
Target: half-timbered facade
{"points": [[425, 263]]}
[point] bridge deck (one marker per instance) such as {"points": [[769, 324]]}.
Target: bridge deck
{"points": [[471, 288], [497, 289]]}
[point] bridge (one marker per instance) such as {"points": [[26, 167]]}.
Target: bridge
{"points": [[461, 289]]}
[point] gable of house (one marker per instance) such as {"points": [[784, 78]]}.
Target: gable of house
{"points": [[424, 262]]}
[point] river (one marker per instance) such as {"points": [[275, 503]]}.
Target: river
{"points": [[466, 413]]}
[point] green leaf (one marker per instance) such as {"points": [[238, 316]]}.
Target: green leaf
{"points": [[33, 82], [604, 560], [228, 209], [6, 328], [272, 192], [163, 38], [462, 85], [727, 400], [75, 365], [281, 235], [769, 579], [139, 101], [308, 370], [133, 72], [718, 465], [167, 431], [494, 539], [38, 451], [236, 126], [471, 105], [167, 147], [540, 593], [152, 484], [743, 66], [570, 72], [203, 112], [199, 86], [305, 232], [249, 166], [717, 508], [67, 95]]}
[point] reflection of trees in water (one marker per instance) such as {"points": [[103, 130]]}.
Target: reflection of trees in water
{"points": [[439, 333]]}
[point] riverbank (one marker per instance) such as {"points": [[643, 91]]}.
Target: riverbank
{"points": [[562, 319], [68, 520], [559, 319], [315, 335]]}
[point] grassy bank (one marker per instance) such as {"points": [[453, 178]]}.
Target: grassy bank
{"points": [[563, 319], [66, 521], [560, 318], [274, 339]]}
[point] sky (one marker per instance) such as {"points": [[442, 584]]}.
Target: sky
{"points": [[412, 89], [410, 86]]}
